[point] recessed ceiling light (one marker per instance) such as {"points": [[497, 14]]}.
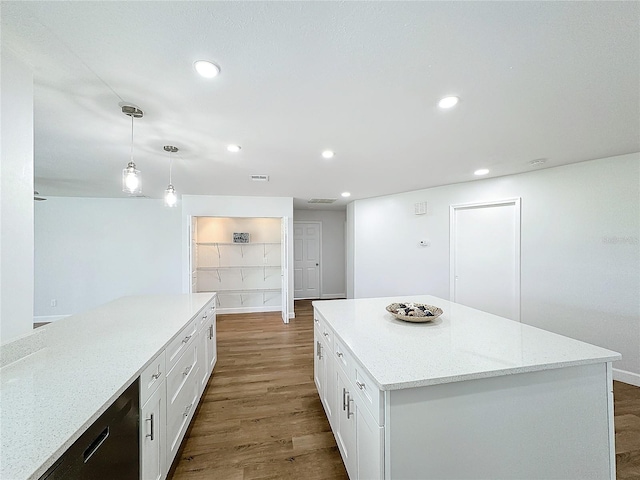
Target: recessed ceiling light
{"points": [[234, 148], [328, 154], [346, 194], [482, 171], [448, 102], [206, 69]]}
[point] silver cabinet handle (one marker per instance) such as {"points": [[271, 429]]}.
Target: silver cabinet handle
{"points": [[150, 419], [344, 399], [325, 334], [316, 320], [156, 376], [360, 385], [349, 400], [187, 370], [186, 339], [319, 350], [339, 354], [210, 332], [186, 411]]}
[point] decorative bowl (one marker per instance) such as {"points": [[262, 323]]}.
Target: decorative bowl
{"points": [[414, 312]]}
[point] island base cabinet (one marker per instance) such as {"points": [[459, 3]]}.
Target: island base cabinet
{"points": [[153, 436], [546, 424]]}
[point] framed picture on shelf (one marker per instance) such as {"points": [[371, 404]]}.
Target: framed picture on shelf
{"points": [[240, 238]]}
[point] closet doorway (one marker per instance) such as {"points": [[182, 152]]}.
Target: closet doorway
{"points": [[485, 256], [241, 259]]}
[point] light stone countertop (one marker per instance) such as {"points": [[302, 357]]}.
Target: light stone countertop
{"points": [[461, 344], [78, 367]]}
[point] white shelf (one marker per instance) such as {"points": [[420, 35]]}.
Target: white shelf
{"points": [[213, 244], [229, 267]]}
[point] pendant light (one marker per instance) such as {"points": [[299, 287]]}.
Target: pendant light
{"points": [[170, 197], [131, 177]]}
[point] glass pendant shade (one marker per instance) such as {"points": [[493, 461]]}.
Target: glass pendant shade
{"points": [[170, 197], [131, 180]]}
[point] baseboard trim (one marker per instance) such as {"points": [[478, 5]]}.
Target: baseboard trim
{"points": [[626, 377], [49, 318], [248, 310], [329, 296]]}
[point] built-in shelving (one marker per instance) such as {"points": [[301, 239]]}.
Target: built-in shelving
{"points": [[246, 276]]}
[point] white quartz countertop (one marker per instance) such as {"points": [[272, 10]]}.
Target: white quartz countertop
{"points": [[461, 344], [80, 365]]}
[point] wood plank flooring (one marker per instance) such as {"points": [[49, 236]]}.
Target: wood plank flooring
{"points": [[261, 418]]}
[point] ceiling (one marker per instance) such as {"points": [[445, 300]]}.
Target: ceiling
{"points": [[537, 80]]}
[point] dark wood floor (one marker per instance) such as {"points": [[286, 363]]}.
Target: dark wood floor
{"points": [[261, 418]]}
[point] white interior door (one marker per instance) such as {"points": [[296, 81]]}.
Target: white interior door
{"points": [[284, 239], [485, 257], [306, 254]]}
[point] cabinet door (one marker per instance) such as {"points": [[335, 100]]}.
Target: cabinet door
{"points": [[318, 364], [203, 345], [370, 444], [153, 436], [329, 383], [212, 350], [345, 424]]}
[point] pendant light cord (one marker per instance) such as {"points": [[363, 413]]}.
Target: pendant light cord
{"points": [[170, 167], [131, 138]]}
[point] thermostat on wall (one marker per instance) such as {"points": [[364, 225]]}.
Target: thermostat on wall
{"points": [[240, 238]]}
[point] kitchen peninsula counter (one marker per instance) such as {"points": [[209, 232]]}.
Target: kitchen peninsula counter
{"points": [[57, 380]]}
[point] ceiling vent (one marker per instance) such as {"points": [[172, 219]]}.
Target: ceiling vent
{"points": [[260, 178], [322, 200]]}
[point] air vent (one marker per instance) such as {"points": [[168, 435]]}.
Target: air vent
{"points": [[322, 200], [260, 178]]}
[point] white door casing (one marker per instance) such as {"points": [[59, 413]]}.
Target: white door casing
{"points": [[284, 238], [306, 251], [485, 256]]}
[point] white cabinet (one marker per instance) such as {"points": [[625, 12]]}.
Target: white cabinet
{"points": [[153, 435], [353, 404], [170, 389]]}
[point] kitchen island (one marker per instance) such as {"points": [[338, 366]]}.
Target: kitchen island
{"points": [[56, 381], [470, 395]]}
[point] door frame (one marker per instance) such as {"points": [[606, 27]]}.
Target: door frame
{"points": [[293, 243], [516, 202]]}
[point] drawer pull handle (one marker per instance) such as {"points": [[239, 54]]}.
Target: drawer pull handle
{"points": [[344, 399], [319, 352], [325, 334], [156, 376], [187, 410], [187, 370], [210, 332], [150, 435], [349, 400], [316, 320], [186, 339], [360, 385], [339, 354]]}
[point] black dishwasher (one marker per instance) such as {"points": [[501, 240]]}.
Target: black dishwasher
{"points": [[109, 449]]}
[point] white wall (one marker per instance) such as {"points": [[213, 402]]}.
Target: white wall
{"points": [[89, 251], [332, 249], [16, 199], [230, 206], [580, 264]]}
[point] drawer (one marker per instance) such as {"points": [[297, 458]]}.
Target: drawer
{"points": [[179, 344], [343, 359], [206, 312], [368, 392], [184, 370], [179, 416], [327, 334], [151, 377]]}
